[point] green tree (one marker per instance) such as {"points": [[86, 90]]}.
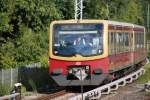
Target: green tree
{"points": [[66, 8], [95, 9], [7, 52], [24, 24], [130, 13], [23, 30], [28, 49]]}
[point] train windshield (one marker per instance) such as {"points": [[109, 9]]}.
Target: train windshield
{"points": [[78, 39]]}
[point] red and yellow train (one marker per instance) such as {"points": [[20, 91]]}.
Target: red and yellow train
{"points": [[94, 51]]}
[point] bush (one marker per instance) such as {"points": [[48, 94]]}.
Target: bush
{"points": [[33, 85], [7, 58], [145, 78], [23, 89], [44, 61], [4, 90]]}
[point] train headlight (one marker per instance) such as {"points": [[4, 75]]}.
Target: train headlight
{"points": [[58, 71], [87, 67], [70, 71]]}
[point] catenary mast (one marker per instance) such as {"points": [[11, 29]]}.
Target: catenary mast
{"points": [[78, 9]]}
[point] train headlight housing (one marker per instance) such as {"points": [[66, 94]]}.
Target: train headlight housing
{"points": [[57, 71], [97, 71], [87, 67], [70, 71]]}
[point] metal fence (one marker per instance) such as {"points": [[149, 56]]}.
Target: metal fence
{"points": [[9, 76], [33, 77]]}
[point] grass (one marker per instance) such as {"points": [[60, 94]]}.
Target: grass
{"points": [[33, 85], [4, 90], [146, 77]]}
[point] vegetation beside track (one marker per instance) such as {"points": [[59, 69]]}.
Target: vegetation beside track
{"points": [[4, 90], [24, 24], [146, 77]]}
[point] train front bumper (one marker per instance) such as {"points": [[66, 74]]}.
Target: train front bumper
{"points": [[61, 80]]}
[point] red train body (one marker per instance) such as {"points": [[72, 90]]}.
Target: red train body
{"points": [[116, 48]]}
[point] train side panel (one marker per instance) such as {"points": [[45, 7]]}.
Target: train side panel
{"points": [[119, 57]]}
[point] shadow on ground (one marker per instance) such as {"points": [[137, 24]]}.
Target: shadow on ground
{"points": [[37, 79]]}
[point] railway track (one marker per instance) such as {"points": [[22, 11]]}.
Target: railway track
{"points": [[60, 95], [53, 95]]}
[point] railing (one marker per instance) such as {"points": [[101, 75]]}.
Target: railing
{"points": [[106, 89]]}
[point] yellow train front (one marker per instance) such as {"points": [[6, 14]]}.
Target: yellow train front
{"points": [[94, 51]]}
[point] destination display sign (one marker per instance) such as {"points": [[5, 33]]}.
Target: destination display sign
{"points": [[75, 27]]}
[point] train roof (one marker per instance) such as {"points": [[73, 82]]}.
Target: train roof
{"points": [[124, 24], [95, 20]]}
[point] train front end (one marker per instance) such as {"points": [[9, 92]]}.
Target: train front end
{"points": [[78, 52]]}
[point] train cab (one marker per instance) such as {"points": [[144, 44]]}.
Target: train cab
{"points": [[78, 49]]}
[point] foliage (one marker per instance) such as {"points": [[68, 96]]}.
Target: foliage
{"points": [[7, 52], [4, 90], [4, 23], [66, 8], [145, 78], [44, 61], [23, 89], [128, 11], [24, 24], [36, 14], [95, 9], [33, 85], [27, 47]]}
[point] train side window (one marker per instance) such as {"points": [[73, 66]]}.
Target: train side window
{"points": [[126, 41], [114, 43], [117, 42], [121, 41], [135, 36], [130, 41], [137, 40], [134, 40], [142, 40], [110, 44]]}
